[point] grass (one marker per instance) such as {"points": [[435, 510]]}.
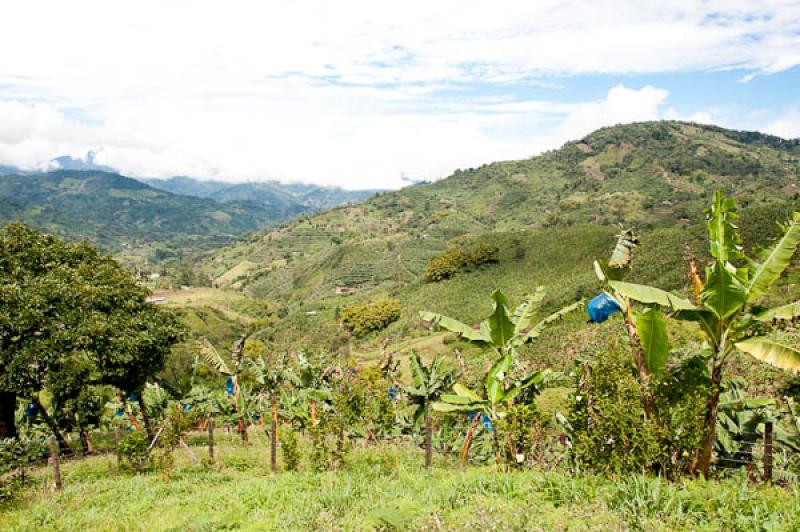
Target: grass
{"points": [[240, 493]]}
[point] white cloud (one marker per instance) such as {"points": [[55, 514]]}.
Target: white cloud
{"points": [[788, 126], [349, 92]]}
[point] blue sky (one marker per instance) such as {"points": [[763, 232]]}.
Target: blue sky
{"points": [[363, 94]]}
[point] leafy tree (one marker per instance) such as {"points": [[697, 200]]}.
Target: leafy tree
{"points": [[727, 310], [67, 309], [427, 385]]}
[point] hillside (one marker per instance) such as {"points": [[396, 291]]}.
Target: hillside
{"points": [[125, 216], [287, 199], [549, 215]]}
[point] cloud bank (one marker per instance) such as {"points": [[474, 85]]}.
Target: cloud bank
{"points": [[353, 93]]}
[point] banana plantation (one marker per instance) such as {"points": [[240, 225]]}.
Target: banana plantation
{"points": [[651, 425]]}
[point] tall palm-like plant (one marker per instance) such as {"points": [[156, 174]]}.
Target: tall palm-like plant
{"points": [[503, 332], [727, 310], [271, 378], [218, 363], [427, 385]]}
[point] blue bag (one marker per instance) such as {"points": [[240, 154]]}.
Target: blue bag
{"points": [[229, 386], [601, 307]]}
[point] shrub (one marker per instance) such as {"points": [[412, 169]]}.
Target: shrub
{"points": [[361, 319], [483, 254], [290, 449], [612, 433], [134, 450], [452, 261], [446, 265], [15, 456]]}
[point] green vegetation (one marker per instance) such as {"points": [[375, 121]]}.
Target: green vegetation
{"points": [[368, 317], [143, 223], [71, 320], [642, 419], [242, 494]]}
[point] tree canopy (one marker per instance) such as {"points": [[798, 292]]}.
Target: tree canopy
{"points": [[67, 310]]}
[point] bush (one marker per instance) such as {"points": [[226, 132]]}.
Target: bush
{"points": [[483, 254], [611, 432], [15, 456], [134, 450], [290, 449], [452, 261], [445, 265], [365, 318]]}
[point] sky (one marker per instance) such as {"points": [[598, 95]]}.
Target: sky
{"points": [[372, 94]]}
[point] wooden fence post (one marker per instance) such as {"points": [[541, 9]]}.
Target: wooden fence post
{"points": [[116, 445], [768, 451], [55, 456], [211, 438]]}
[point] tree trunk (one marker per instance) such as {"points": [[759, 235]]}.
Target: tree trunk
{"points": [[428, 439], [211, 438], [313, 409], [8, 407], [468, 439], [273, 456], [85, 441], [703, 461], [243, 431], [147, 427], [62, 443]]}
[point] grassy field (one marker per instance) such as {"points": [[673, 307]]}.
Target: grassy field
{"points": [[374, 493]]}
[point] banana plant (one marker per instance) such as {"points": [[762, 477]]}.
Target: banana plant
{"points": [[504, 331], [427, 385], [218, 363], [498, 394], [647, 330], [740, 423], [727, 310], [271, 378]]}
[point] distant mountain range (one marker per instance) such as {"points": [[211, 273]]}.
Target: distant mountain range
{"points": [[289, 199], [150, 218]]}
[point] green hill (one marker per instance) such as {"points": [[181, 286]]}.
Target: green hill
{"points": [[125, 216], [549, 215]]}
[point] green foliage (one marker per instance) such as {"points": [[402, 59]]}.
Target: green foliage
{"points": [[446, 265], [134, 448], [71, 316], [361, 319], [610, 429], [16, 455], [520, 429], [290, 448]]}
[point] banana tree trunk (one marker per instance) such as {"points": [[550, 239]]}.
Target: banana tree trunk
{"points": [[468, 439], [428, 438], [313, 409], [146, 418], [703, 462], [8, 407], [638, 356], [243, 431], [274, 439]]}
